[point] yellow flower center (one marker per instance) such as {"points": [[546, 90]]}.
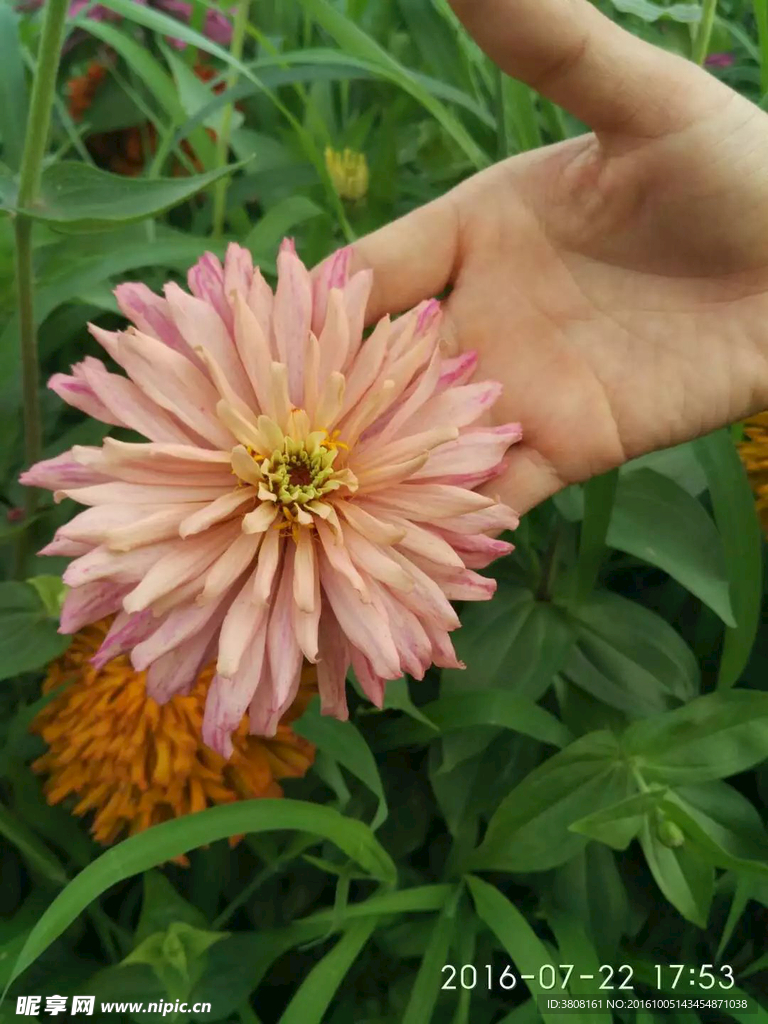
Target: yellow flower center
{"points": [[297, 474]]}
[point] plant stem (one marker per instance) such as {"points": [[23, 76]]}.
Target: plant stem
{"points": [[225, 129], [35, 142], [704, 32]]}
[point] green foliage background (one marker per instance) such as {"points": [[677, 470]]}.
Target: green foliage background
{"points": [[591, 791]]}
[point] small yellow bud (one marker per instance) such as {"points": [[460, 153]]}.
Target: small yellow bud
{"points": [[348, 171]]}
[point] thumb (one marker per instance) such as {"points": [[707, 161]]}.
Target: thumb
{"points": [[413, 258], [574, 55]]}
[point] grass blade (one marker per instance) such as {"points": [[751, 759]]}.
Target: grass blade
{"points": [[173, 838]]}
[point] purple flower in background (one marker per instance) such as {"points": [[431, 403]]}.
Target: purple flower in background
{"points": [[217, 26], [720, 60]]}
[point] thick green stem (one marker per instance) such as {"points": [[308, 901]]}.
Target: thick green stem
{"points": [[704, 32], [35, 142], [225, 129], [41, 104]]}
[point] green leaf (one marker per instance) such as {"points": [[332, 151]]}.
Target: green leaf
{"points": [[163, 906], [646, 973], [689, 14], [683, 875], [713, 737], [723, 823], [530, 829], [140, 60], [52, 591], [502, 917], [13, 88], [174, 838], [319, 988], [32, 849], [176, 956], [618, 824], [77, 197], [679, 463], [277, 222], [629, 657], [426, 988], [590, 889], [357, 43], [455, 712], [342, 741], [657, 520], [397, 697], [575, 948], [739, 527], [29, 635], [599, 497], [517, 643]]}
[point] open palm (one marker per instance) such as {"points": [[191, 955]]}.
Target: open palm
{"points": [[616, 284]]}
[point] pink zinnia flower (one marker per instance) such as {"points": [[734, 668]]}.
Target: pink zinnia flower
{"points": [[304, 494]]}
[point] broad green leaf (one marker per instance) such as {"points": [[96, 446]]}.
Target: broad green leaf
{"points": [[502, 917], [426, 988], [13, 88], [397, 697], [458, 711], [659, 521], [599, 497], [530, 829], [679, 463], [723, 823], [278, 221], [685, 877], [174, 838], [629, 657], [342, 741], [29, 635], [713, 737], [517, 643], [618, 824], [77, 197], [590, 889], [320, 986], [739, 527]]}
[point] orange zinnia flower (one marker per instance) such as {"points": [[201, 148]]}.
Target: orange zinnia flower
{"points": [[136, 763], [754, 455]]}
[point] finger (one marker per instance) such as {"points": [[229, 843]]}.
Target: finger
{"points": [[574, 55], [527, 481], [412, 258]]}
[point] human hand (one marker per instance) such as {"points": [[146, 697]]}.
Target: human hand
{"points": [[617, 283]]}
